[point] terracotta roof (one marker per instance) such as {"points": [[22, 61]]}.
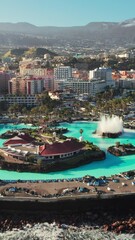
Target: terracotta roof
{"points": [[20, 139], [16, 141], [61, 148]]}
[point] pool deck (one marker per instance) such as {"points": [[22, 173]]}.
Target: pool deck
{"points": [[50, 190]]}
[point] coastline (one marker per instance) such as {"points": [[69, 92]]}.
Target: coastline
{"points": [[107, 216], [92, 203], [101, 216]]}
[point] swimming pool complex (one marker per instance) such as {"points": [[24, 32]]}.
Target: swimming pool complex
{"points": [[111, 165]]}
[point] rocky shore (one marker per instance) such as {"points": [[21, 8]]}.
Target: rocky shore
{"points": [[92, 225], [122, 149], [108, 134]]}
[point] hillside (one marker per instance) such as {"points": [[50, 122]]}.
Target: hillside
{"points": [[104, 33], [30, 52]]}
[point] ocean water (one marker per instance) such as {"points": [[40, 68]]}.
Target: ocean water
{"points": [[111, 165]]}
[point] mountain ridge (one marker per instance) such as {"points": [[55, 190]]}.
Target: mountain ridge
{"points": [[53, 26], [27, 34]]}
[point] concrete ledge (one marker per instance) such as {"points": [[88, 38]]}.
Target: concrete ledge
{"points": [[73, 203]]}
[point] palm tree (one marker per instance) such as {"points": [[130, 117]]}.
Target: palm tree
{"points": [[81, 131]]}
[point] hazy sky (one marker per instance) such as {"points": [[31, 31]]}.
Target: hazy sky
{"points": [[65, 12]]}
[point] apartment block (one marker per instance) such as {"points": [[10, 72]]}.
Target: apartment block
{"points": [[26, 85], [26, 100]]}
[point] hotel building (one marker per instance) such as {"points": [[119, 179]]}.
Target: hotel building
{"points": [[102, 73], [26, 85], [61, 73], [4, 79], [80, 86], [26, 100]]}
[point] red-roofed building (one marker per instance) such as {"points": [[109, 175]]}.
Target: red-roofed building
{"points": [[18, 140], [51, 152], [61, 149]]}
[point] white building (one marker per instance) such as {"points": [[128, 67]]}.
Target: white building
{"points": [[79, 86], [62, 72], [102, 73], [126, 83], [123, 55]]}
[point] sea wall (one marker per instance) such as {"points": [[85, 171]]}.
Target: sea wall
{"points": [[73, 204]]}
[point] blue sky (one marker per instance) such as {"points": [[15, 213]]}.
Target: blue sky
{"points": [[65, 12]]}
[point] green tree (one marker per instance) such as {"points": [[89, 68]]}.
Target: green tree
{"points": [[81, 131]]}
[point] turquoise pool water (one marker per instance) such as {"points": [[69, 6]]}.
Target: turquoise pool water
{"points": [[111, 165]]}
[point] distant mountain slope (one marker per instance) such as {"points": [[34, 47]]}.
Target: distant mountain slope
{"points": [[18, 27], [26, 35], [31, 52]]}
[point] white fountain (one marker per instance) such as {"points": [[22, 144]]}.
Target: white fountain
{"points": [[110, 126]]}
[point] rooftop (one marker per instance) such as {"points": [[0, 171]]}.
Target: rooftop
{"points": [[61, 148]]}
